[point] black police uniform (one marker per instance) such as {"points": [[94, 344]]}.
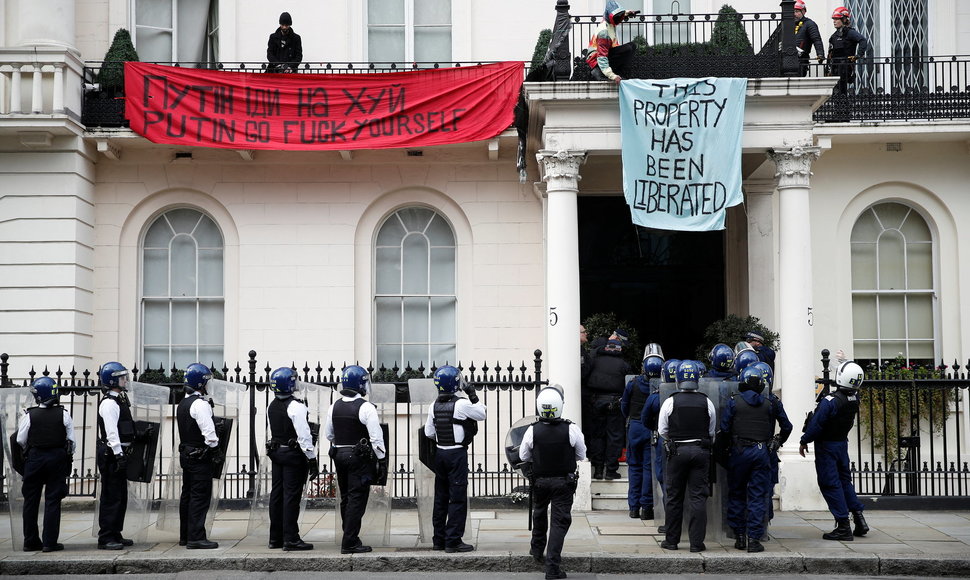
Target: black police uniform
{"points": [[606, 432], [845, 43], [197, 472], [687, 474], [354, 473], [291, 467], [46, 468], [114, 473]]}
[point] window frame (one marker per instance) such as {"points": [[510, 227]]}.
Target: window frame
{"points": [[409, 32]]}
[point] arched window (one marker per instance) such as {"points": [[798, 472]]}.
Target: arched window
{"points": [[414, 295], [182, 296], [893, 286]]}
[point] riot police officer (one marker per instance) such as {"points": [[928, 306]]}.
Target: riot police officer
{"points": [[606, 382], [198, 451], [554, 445], [46, 433], [452, 423], [749, 420], [294, 458], [358, 452], [829, 428], [116, 431], [687, 421], [722, 362], [756, 342], [639, 437]]}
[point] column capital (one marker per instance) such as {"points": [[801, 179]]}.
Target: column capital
{"points": [[560, 164], [794, 165]]}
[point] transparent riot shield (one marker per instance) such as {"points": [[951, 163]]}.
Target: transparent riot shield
{"points": [[654, 454], [12, 405], [150, 409], [659, 489], [423, 394], [719, 392], [375, 526], [226, 398]]}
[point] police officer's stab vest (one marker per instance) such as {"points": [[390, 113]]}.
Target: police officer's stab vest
{"points": [[444, 419], [189, 432], [347, 428], [751, 422], [126, 425], [47, 430], [846, 407], [552, 455], [840, 45], [280, 425], [637, 400], [689, 418]]}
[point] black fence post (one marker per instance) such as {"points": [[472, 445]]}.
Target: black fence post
{"points": [[4, 380], [3, 383], [789, 54], [253, 449], [558, 56]]}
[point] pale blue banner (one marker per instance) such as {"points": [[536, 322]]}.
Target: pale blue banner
{"points": [[682, 150]]}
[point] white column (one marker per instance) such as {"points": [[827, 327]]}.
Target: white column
{"points": [[15, 88], [561, 174], [58, 99], [761, 250], [37, 90], [795, 367], [45, 23]]}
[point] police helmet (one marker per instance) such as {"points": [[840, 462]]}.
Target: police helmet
{"points": [[355, 378], [653, 349], [669, 372], [283, 382], [113, 375], [766, 372], [743, 359], [197, 376], [653, 365], [849, 376], [688, 373], [447, 379], [44, 390], [549, 404], [701, 367], [722, 357], [752, 379]]}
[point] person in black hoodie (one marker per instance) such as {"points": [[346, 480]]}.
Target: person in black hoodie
{"points": [[607, 379], [285, 48]]}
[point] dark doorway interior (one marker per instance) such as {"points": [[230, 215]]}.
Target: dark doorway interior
{"points": [[668, 285]]}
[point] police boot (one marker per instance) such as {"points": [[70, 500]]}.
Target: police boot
{"points": [[740, 541], [861, 527], [598, 472], [754, 545], [842, 531]]}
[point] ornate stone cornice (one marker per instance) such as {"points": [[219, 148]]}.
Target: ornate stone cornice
{"points": [[794, 166], [560, 164]]}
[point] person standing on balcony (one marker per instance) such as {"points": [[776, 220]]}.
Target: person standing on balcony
{"points": [[806, 36], [46, 434], [358, 452], [553, 445], [604, 41], [452, 424], [291, 449], [284, 51], [116, 431], [198, 452], [606, 383], [846, 45], [828, 427]]}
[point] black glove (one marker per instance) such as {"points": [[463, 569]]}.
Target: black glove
{"points": [[472, 395], [216, 456], [121, 463], [774, 444], [381, 471], [314, 466]]}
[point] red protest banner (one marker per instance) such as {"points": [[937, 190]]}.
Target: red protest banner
{"points": [[206, 108]]}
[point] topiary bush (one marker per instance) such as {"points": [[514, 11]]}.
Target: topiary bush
{"points": [[730, 330], [112, 75], [602, 325], [537, 70], [728, 36]]}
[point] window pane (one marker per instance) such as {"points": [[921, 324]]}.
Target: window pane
{"points": [[432, 12], [432, 44], [866, 229], [920, 314], [385, 12], [184, 221], [207, 234], [211, 355], [415, 219], [156, 13], [919, 259], [892, 274], [416, 320], [915, 228], [159, 235], [864, 349], [211, 324], [155, 321], [439, 232], [388, 270], [442, 270], [891, 215], [863, 266], [890, 349], [210, 272], [153, 45], [443, 320], [391, 232], [184, 329], [416, 354], [385, 45], [864, 317], [415, 264], [388, 320], [443, 354], [184, 356], [183, 266], [920, 349], [156, 356], [155, 275], [389, 355], [891, 317]]}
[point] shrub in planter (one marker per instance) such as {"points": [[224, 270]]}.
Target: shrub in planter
{"points": [[112, 75], [728, 36]]}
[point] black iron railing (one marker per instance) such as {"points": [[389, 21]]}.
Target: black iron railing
{"points": [[508, 391]]}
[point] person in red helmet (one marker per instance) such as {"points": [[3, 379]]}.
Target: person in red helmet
{"points": [[846, 45], [806, 36]]}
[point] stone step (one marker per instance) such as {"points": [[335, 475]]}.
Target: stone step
{"points": [[610, 502], [609, 486]]}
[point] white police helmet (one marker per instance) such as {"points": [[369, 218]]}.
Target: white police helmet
{"points": [[849, 376], [549, 403]]}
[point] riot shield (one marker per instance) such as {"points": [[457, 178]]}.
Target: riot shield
{"points": [[719, 392], [512, 441], [12, 404], [226, 398], [150, 408], [423, 394], [375, 526], [654, 454], [659, 489]]}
